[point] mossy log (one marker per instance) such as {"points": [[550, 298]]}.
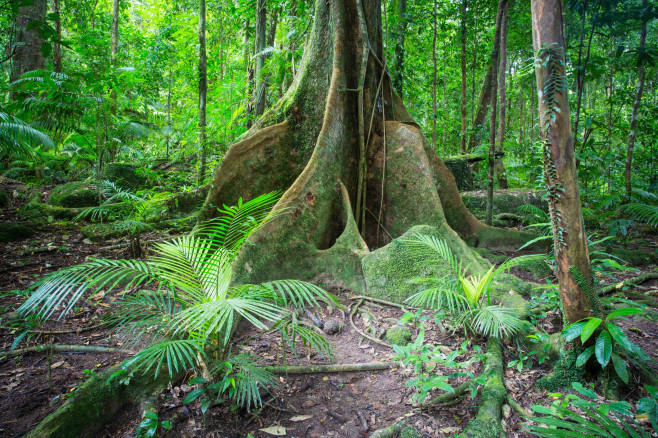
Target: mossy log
{"points": [[95, 403]]}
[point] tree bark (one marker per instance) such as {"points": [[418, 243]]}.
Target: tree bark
{"points": [[462, 136], [114, 43], [398, 79], [261, 44], [641, 73], [435, 25], [569, 240], [485, 98], [340, 112], [495, 57], [28, 56], [57, 47], [203, 89], [502, 71]]}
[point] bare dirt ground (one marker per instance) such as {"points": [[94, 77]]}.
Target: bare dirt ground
{"points": [[307, 405]]}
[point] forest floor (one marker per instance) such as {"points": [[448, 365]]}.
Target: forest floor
{"points": [[349, 404]]}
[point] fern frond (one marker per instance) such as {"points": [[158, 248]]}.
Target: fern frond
{"points": [[642, 212]]}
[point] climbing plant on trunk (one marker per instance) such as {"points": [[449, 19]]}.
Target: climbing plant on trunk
{"points": [[569, 240]]}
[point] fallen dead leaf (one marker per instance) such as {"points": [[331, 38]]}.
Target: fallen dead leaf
{"points": [[275, 430], [301, 417]]}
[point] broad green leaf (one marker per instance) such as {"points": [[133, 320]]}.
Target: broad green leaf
{"points": [[193, 395], [619, 336], [574, 330], [589, 328], [584, 391], [603, 348], [584, 356], [623, 312], [620, 367]]}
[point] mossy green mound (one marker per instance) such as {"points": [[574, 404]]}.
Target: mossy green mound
{"points": [[565, 372], [398, 335], [75, 194], [410, 432], [387, 270], [102, 232], [13, 231], [186, 202], [123, 175]]}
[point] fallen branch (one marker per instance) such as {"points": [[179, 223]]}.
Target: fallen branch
{"points": [[380, 301], [634, 281], [448, 397], [361, 332], [523, 412], [331, 368], [64, 349], [58, 332]]}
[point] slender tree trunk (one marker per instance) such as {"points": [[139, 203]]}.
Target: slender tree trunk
{"points": [[636, 103], [261, 41], [28, 55], [570, 243], [249, 69], [532, 113], [434, 77], [168, 114], [502, 71], [475, 61], [495, 56], [203, 89], [486, 98], [57, 47], [398, 79], [462, 136], [114, 44]]}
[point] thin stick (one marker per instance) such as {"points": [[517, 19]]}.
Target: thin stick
{"points": [[59, 332], [330, 368], [523, 412], [380, 301], [362, 333]]}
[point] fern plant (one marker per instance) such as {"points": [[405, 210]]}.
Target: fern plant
{"points": [[181, 301], [18, 139], [466, 297]]}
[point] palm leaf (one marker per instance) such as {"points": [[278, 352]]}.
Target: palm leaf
{"points": [[643, 212], [495, 321], [178, 355], [433, 250], [438, 293]]}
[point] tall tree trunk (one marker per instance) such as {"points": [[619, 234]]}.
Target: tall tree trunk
{"points": [[261, 44], [495, 56], [502, 72], [398, 78], [462, 135], [114, 44], [28, 55], [485, 98], [57, 47], [203, 90], [249, 70], [636, 103], [168, 113], [312, 146], [569, 240], [435, 26]]}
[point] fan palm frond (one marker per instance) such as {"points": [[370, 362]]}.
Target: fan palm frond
{"points": [[643, 212], [495, 321], [249, 378], [19, 138], [65, 287], [179, 354], [438, 293], [291, 329], [433, 250]]}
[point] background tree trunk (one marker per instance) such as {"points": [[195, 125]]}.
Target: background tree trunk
{"points": [[636, 103], [57, 47], [434, 76], [261, 44], [398, 79], [203, 90], [462, 137], [114, 44], [495, 56], [28, 57], [570, 243], [499, 166]]}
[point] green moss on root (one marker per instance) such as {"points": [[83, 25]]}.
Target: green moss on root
{"points": [[565, 372]]}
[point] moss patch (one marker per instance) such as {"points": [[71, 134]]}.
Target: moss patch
{"points": [[564, 373], [101, 232], [74, 195], [398, 335], [123, 175], [13, 231]]}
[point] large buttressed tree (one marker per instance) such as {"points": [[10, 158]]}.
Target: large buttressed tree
{"points": [[354, 169]]}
